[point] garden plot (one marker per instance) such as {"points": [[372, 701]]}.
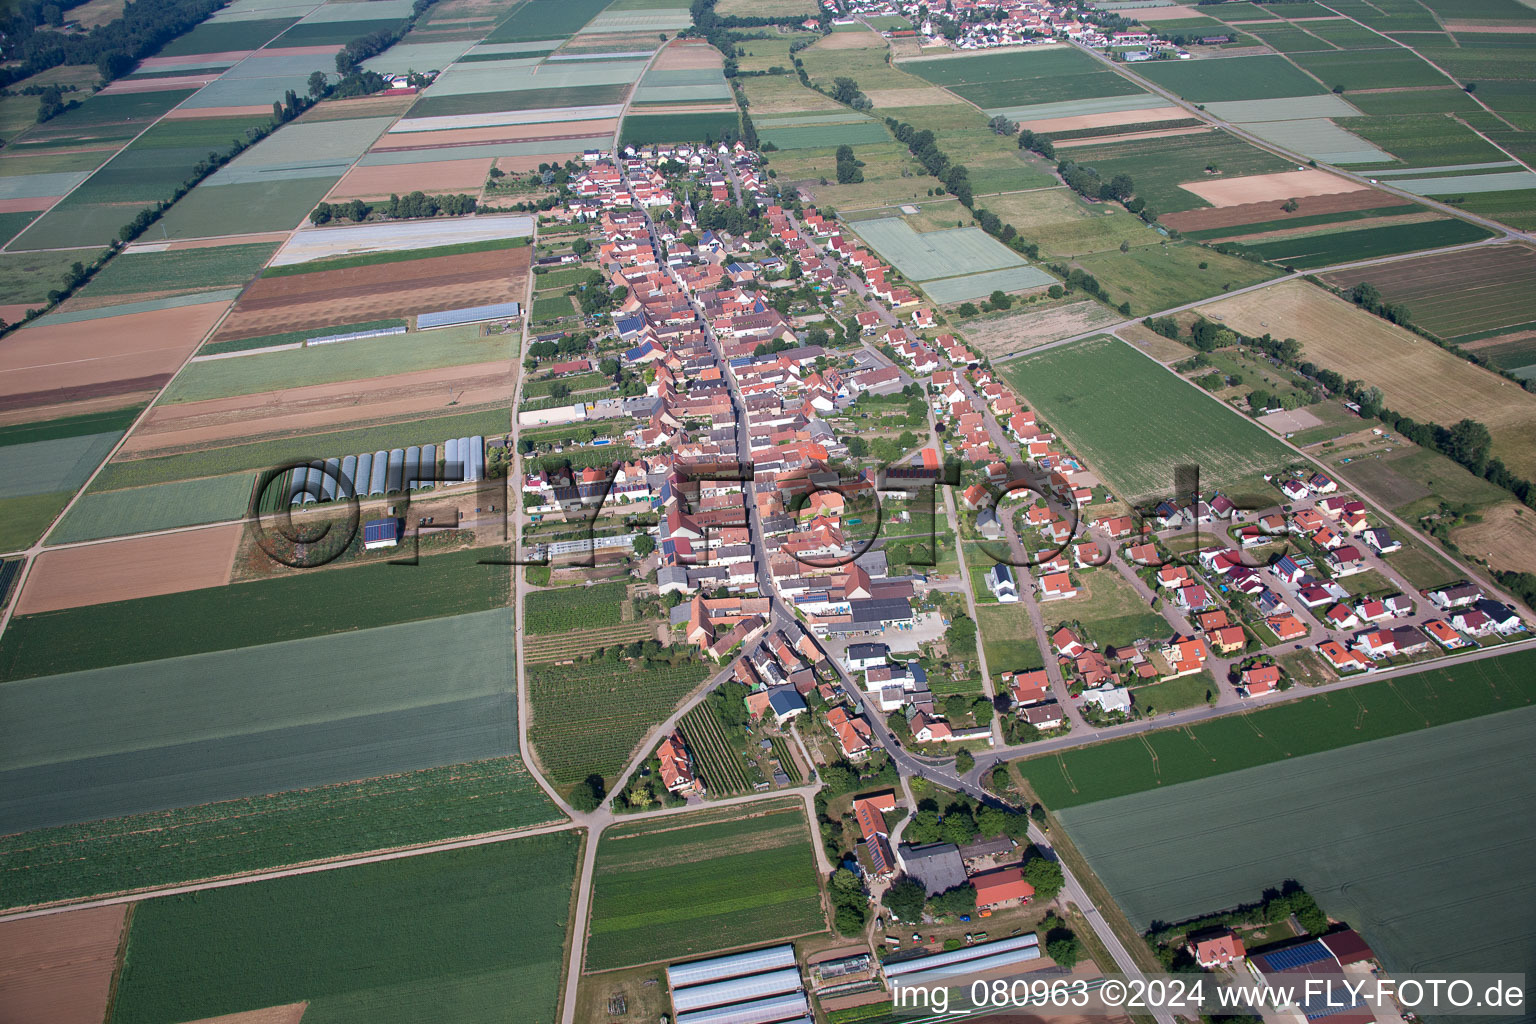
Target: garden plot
{"points": [[935, 254], [186, 731], [1371, 797], [309, 244]]}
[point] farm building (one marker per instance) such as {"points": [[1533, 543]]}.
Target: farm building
{"points": [[757, 987], [382, 533], [936, 865], [1004, 887]]}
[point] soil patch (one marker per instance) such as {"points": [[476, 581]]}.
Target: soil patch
{"points": [[1260, 213], [59, 968], [125, 569], [1256, 188]]}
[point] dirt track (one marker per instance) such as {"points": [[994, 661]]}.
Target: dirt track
{"points": [[1259, 213], [125, 569], [191, 425], [328, 298], [59, 969]]}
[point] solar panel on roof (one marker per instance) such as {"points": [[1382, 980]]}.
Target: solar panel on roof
{"points": [[1296, 956]]}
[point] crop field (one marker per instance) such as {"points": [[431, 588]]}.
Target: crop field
{"points": [[211, 461], [305, 604], [103, 513], [127, 569], [814, 136], [1218, 222], [1418, 378], [1134, 421], [487, 925], [1393, 68], [1019, 331], [555, 611], [1369, 796], [644, 129], [56, 464], [1449, 100], [1231, 78], [1154, 277], [1459, 296], [160, 735], [1425, 139], [672, 889], [183, 270], [60, 967], [589, 718], [225, 37], [1063, 225], [1308, 252], [1160, 166], [246, 208], [1012, 80], [23, 520], [270, 830], [934, 254], [717, 763], [1310, 725], [26, 278]]}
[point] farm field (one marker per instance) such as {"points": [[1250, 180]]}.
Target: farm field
{"points": [[1154, 277], [1160, 166], [486, 928], [646, 129], [312, 603], [180, 732], [1019, 331], [102, 513], [1007, 638], [1369, 795], [167, 272], [26, 278], [1134, 422], [270, 830], [1309, 725], [1009, 81], [1231, 78], [934, 254], [555, 611], [588, 718], [1460, 296], [1063, 225], [60, 968], [127, 569], [1424, 140], [686, 885], [1308, 252], [1417, 377], [1218, 223]]}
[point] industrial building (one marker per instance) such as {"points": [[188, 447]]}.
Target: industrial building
{"points": [[759, 987]]}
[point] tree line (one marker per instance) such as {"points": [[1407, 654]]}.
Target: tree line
{"points": [[411, 206], [29, 44]]}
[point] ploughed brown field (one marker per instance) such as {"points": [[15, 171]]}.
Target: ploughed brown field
{"points": [[91, 358], [393, 141], [1259, 213], [382, 180], [59, 968], [330, 298], [188, 426], [121, 570]]}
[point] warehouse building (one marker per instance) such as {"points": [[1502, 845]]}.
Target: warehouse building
{"points": [[758, 987]]}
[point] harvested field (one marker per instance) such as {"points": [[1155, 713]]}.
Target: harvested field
{"points": [[1172, 12], [1257, 188], [1163, 133], [59, 968], [126, 569], [687, 55], [1263, 212], [378, 182], [62, 362], [926, 96], [1107, 119], [272, 305], [1463, 295], [199, 113], [1419, 378], [189, 426], [290, 1013], [496, 133], [29, 204], [1022, 331], [1506, 537]]}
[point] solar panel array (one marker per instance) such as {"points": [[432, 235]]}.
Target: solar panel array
{"points": [[1295, 956]]}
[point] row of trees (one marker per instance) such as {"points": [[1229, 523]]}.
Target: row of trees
{"points": [[849, 170], [29, 45], [411, 206]]}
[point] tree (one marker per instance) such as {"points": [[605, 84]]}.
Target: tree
{"points": [[852, 906], [905, 899], [644, 544], [924, 828], [114, 65], [967, 309], [991, 820], [964, 761], [317, 84], [1065, 951], [959, 900], [1468, 443], [589, 794], [1045, 875], [958, 826]]}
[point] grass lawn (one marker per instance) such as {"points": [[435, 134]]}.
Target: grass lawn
{"points": [[1157, 277], [1008, 639], [1135, 422], [1175, 694], [1110, 610], [683, 886], [459, 935]]}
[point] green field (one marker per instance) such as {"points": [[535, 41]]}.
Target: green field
{"points": [[1110, 610], [316, 602], [274, 829], [331, 33], [1424, 140], [1159, 166], [223, 36], [1134, 421], [1417, 101], [23, 520], [323, 364], [814, 136], [461, 935], [1007, 638], [52, 465], [180, 270], [1063, 225], [245, 208], [671, 889], [1230, 78], [644, 129], [224, 725], [115, 420], [1021, 78], [103, 513], [556, 611], [266, 454], [587, 718], [547, 308], [521, 99], [1311, 251], [924, 256], [546, 19], [1157, 277], [1370, 711], [1395, 68], [28, 277], [1373, 799]]}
